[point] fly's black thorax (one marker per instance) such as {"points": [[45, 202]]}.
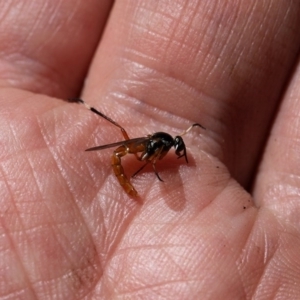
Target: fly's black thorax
{"points": [[159, 144]]}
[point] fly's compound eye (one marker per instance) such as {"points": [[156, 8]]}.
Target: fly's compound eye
{"points": [[179, 146]]}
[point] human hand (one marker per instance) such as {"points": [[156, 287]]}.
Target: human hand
{"points": [[69, 230]]}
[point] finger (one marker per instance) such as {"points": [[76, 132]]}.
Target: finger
{"points": [[278, 182], [46, 46], [223, 66]]}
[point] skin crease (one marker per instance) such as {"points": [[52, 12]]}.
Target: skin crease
{"points": [[68, 230]]}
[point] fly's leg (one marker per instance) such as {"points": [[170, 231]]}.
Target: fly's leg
{"points": [[158, 155], [140, 169], [97, 112], [119, 171], [155, 171]]}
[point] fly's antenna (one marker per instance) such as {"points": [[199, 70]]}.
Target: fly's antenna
{"points": [[192, 126], [97, 112]]}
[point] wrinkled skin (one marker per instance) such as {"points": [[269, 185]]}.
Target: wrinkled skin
{"points": [[224, 226]]}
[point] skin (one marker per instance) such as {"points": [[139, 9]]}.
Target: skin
{"points": [[225, 226]]}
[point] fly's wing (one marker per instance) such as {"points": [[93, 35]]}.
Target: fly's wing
{"points": [[125, 142]]}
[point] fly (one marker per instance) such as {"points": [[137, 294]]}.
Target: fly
{"points": [[149, 149]]}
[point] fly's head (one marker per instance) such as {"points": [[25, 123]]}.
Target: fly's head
{"points": [[180, 149]]}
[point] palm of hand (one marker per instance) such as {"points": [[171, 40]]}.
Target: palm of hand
{"points": [[68, 229]]}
